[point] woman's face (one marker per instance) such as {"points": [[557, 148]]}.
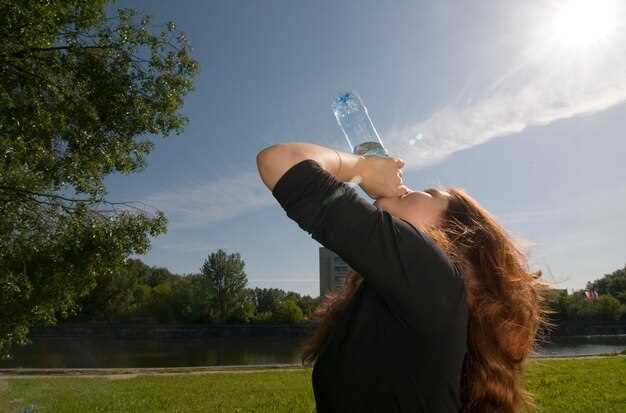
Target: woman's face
{"points": [[417, 207]]}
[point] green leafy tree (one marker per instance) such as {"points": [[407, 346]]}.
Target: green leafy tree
{"points": [[159, 306], [244, 309], [608, 307], [113, 299], [159, 275], [580, 308], [557, 300], [202, 296], [171, 301], [268, 299], [149, 275], [224, 275], [622, 312], [613, 284], [116, 296], [288, 312], [181, 300], [308, 305], [77, 90]]}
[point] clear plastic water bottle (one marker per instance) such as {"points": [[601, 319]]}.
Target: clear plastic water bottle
{"points": [[357, 126]]}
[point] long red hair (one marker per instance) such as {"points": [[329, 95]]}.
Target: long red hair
{"points": [[508, 311]]}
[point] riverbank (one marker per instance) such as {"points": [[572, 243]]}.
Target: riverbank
{"points": [[573, 385], [154, 331], [173, 371]]}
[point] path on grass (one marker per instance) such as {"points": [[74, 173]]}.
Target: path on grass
{"points": [[127, 373]]}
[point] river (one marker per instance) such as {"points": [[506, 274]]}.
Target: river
{"points": [[47, 352]]}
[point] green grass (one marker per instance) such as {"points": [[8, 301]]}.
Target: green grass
{"points": [[596, 385], [593, 385]]}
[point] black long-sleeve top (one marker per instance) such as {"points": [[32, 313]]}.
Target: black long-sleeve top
{"points": [[399, 345]]}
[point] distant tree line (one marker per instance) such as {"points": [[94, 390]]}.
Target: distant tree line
{"points": [[217, 294], [608, 302]]}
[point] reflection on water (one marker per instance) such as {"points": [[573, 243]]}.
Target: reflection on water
{"points": [[583, 345], [96, 353], [102, 352]]}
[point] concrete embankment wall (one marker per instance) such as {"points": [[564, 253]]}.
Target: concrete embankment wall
{"points": [[163, 331], [588, 327], [305, 329]]}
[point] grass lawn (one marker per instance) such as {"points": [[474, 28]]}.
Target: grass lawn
{"points": [[596, 385]]}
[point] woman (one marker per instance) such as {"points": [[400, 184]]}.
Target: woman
{"points": [[440, 311]]}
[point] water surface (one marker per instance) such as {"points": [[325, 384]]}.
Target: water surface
{"points": [[48, 352]]}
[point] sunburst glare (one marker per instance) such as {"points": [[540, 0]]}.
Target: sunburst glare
{"points": [[562, 58], [582, 23]]}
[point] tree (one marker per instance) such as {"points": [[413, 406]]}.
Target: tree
{"points": [[149, 275], [268, 299], [308, 304], [613, 284], [557, 300], [224, 275], [608, 307], [288, 311], [114, 298], [77, 90], [244, 309], [578, 307], [201, 298]]}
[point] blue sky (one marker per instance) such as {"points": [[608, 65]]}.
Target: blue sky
{"points": [[481, 95]]}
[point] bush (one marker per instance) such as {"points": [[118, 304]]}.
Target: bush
{"points": [[608, 307], [242, 313], [288, 311]]}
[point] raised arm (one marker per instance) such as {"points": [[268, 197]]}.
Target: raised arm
{"points": [[372, 174], [398, 261]]}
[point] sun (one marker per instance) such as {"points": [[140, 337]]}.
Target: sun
{"points": [[581, 23]]}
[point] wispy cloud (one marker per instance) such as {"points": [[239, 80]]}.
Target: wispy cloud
{"points": [[453, 128], [212, 202], [186, 246], [544, 85]]}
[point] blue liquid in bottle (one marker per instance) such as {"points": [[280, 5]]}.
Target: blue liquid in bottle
{"points": [[357, 126]]}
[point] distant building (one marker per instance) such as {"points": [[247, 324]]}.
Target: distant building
{"points": [[333, 271]]}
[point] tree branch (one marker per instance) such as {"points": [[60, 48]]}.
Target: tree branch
{"points": [[21, 53], [41, 194], [97, 201]]}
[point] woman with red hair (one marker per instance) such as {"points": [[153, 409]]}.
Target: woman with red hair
{"points": [[440, 311]]}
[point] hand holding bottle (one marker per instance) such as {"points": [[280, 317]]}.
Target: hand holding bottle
{"points": [[382, 177]]}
